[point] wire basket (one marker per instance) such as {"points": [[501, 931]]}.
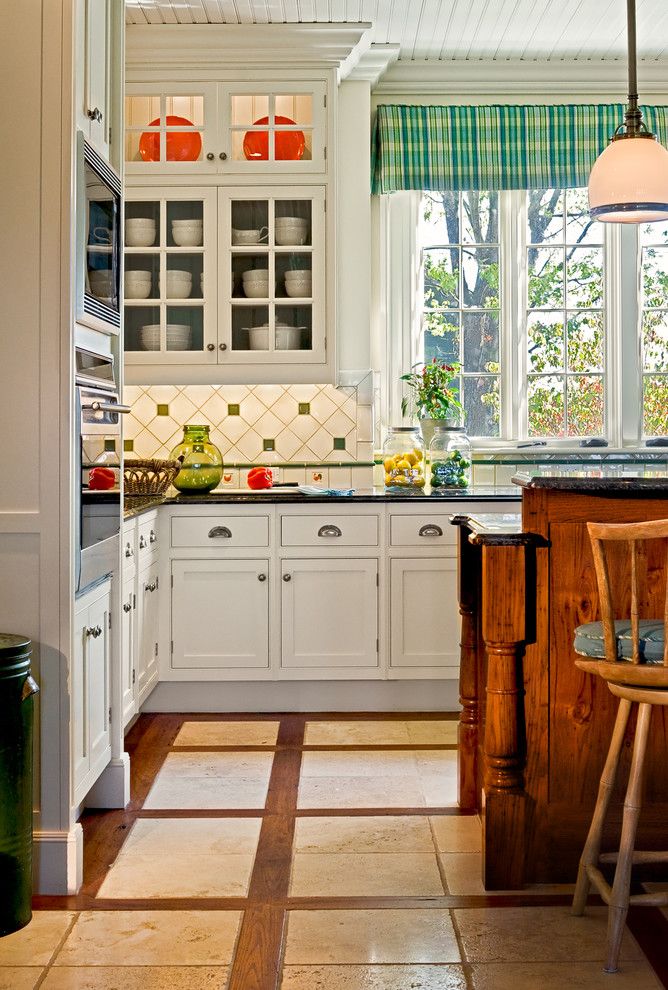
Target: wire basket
{"points": [[151, 477]]}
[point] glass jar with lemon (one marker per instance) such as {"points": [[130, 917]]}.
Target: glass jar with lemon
{"points": [[403, 459]]}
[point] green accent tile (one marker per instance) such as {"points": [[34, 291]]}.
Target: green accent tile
{"points": [[269, 445], [163, 409], [233, 409], [128, 445], [304, 408], [339, 443]]}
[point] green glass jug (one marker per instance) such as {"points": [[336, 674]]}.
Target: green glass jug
{"points": [[201, 461]]}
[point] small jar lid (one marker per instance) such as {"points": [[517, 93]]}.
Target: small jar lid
{"points": [[12, 645], [404, 429]]}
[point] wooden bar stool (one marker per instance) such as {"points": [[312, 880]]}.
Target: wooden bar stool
{"points": [[632, 657]]}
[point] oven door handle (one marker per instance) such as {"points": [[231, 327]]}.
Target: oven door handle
{"points": [[98, 406]]}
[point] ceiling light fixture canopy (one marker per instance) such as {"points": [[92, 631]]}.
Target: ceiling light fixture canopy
{"points": [[629, 180]]}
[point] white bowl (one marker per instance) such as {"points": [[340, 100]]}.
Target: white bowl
{"points": [[255, 275], [140, 232], [298, 289], [256, 290], [188, 222], [137, 275], [291, 222], [258, 338], [298, 275], [137, 290], [288, 338], [187, 236], [291, 236]]}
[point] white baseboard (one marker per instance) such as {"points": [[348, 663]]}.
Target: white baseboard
{"points": [[112, 787], [304, 696], [58, 861]]}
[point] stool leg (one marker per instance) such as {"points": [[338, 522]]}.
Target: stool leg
{"points": [[592, 847], [619, 898]]}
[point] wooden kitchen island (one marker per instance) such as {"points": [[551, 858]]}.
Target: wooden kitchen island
{"points": [[534, 730]]}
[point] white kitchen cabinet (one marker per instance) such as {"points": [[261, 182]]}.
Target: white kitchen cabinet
{"points": [[424, 616], [147, 639], [99, 73], [329, 611], [90, 689], [253, 127], [220, 615], [128, 648]]}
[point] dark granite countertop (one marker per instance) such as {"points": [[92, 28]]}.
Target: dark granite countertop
{"points": [[136, 505], [600, 481]]}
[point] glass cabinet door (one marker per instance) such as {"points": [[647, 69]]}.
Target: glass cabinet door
{"points": [[269, 130], [170, 129], [170, 307], [271, 290]]}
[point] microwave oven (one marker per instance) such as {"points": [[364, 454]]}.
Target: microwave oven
{"points": [[98, 241]]}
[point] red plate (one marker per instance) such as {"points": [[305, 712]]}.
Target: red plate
{"points": [[288, 145], [182, 146]]}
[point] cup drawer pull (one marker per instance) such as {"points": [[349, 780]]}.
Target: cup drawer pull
{"points": [[221, 531], [329, 531], [431, 529]]}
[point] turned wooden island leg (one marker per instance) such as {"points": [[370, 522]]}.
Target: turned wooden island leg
{"points": [[467, 733]]}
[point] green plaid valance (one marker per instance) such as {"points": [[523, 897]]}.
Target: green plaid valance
{"points": [[494, 147]]}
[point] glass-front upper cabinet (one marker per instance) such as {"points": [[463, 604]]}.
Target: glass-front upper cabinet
{"points": [[245, 128], [169, 278], [271, 276]]}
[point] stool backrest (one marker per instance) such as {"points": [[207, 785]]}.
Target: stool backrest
{"points": [[633, 534]]}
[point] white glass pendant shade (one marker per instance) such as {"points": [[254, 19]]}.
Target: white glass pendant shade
{"points": [[629, 181]]}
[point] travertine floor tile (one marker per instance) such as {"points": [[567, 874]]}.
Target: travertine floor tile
{"points": [[635, 975], [358, 763], [440, 731], [227, 734], [463, 873], [247, 766], [437, 771], [529, 934], [211, 780], [360, 792], [457, 833], [360, 733], [365, 875], [19, 978], [376, 834], [35, 944], [374, 978], [136, 978], [151, 938], [393, 936]]}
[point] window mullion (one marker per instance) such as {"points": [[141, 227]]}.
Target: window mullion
{"points": [[513, 314]]}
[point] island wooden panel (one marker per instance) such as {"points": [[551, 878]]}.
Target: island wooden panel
{"points": [[538, 744]]}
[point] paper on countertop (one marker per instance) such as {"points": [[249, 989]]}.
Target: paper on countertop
{"points": [[316, 490]]}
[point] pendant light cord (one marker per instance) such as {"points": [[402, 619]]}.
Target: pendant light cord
{"points": [[633, 122]]}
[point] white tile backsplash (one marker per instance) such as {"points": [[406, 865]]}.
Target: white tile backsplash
{"points": [[266, 412]]}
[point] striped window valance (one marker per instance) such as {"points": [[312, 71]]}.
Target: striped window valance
{"points": [[494, 147]]}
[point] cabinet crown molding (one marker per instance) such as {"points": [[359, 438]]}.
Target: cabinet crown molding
{"points": [[240, 46]]}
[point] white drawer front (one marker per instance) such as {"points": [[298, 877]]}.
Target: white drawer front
{"points": [[329, 531], [147, 541], [422, 530], [220, 532]]}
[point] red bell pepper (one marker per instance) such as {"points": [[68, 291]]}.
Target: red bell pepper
{"points": [[101, 478], [260, 477]]}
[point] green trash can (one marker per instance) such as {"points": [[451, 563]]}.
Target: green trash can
{"points": [[17, 689]]}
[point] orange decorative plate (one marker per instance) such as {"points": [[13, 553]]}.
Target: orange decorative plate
{"points": [[182, 146], [289, 145]]}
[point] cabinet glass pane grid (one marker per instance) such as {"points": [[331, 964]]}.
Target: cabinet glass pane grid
{"points": [[654, 328], [279, 309], [258, 114], [141, 110], [169, 309]]}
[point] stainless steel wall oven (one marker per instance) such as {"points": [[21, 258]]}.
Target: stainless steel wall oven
{"points": [[98, 512]]}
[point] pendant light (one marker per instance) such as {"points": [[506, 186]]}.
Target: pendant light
{"points": [[629, 180]]}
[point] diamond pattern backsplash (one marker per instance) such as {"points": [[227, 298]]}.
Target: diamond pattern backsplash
{"points": [[300, 424]]}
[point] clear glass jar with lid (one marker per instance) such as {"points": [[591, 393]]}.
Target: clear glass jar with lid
{"points": [[450, 457], [403, 458]]}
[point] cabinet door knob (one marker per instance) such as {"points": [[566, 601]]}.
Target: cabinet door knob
{"points": [[223, 347], [223, 531], [129, 552], [262, 577], [152, 537], [431, 529], [223, 156], [210, 347], [94, 631], [127, 607], [329, 530], [287, 577], [210, 156], [94, 113], [142, 542]]}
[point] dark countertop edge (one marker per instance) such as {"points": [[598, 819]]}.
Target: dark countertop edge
{"points": [[364, 496], [480, 533], [593, 485]]}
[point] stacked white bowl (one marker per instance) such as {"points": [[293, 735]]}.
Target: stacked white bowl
{"points": [[179, 283], [298, 283], [187, 233], [139, 231], [256, 283], [178, 335], [287, 337], [137, 284], [291, 230], [101, 284]]}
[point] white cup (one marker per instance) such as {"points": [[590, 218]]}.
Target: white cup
{"points": [[249, 236]]}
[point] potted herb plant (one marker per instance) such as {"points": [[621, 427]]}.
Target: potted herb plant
{"points": [[433, 398]]}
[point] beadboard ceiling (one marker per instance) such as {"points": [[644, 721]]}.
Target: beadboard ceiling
{"points": [[448, 29]]}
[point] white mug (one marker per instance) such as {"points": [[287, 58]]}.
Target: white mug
{"points": [[250, 236]]}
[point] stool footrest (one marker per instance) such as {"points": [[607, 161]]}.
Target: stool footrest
{"points": [[638, 857]]}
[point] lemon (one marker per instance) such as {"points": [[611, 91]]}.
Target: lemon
{"points": [[411, 458], [388, 463], [418, 454], [419, 482], [388, 479], [403, 464]]}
